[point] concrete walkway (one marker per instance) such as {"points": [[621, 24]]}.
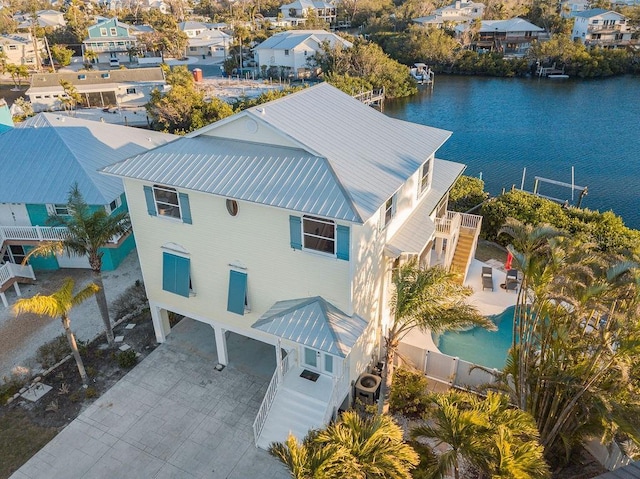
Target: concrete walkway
{"points": [[172, 416]]}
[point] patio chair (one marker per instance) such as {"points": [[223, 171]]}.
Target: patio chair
{"points": [[511, 282], [487, 278]]}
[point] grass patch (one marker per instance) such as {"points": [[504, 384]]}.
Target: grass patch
{"points": [[19, 440], [488, 250]]}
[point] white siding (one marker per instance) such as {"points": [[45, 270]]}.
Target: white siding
{"points": [[258, 237], [14, 214], [247, 129]]}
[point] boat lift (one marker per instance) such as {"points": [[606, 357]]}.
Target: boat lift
{"points": [[584, 190]]}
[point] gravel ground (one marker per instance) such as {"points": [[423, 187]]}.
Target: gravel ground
{"points": [[21, 336]]}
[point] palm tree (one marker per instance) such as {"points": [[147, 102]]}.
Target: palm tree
{"points": [[357, 447], [487, 434], [89, 231], [59, 304], [427, 299]]}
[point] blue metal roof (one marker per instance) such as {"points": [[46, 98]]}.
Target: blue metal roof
{"points": [[313, 322], [46, 154]]}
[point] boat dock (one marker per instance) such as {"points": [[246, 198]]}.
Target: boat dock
{"points": [[371, 97], [546, 71]]}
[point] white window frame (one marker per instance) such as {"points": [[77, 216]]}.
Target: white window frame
{"points": [[390, 206], [103, 32], [424, 180], [160, 204], [113, 31], [110, 208], [60, 209], [324, 221]]}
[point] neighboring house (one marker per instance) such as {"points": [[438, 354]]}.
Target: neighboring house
{"points": [[128, 87], [43, 157], [569, 8], [297, 11], [209, 43], [6, 119], [511, 37], [282, 223], [19, 49], [292, 49], [454, 14], [112, 41], [604, 28], [193, 29], [51, 19]]}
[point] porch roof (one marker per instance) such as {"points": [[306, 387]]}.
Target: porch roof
{"points": [[313, 322], [414, 234]]}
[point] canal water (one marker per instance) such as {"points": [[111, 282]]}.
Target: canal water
{"points": [[501, 126]]}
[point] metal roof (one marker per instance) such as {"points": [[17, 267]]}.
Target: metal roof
{"points": [[371, 153], [419, 228], [137, 75], [594, 12], [313, 322], [272, 175], [632, 471], [43, 156], [511, 25], [289, 39]]}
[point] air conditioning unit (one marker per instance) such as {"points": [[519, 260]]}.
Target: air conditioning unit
{"points": [[367, 387]]}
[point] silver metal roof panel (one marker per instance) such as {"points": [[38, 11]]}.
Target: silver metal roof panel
{"points": [[313, 322]]}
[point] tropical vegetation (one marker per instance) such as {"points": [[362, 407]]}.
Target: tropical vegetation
{"points": [[59, 304], [426, 299], [572, 364], [355, 446], [90, 229]]}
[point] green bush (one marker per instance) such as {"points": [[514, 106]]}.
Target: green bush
{"points": [[55, 350], [427, 461], [90, 393], [127, 359], [468, 192], [408, 394]]}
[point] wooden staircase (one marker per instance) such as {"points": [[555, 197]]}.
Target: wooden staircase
{"points": [[464, 249]]}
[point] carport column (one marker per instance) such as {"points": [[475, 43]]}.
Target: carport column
{"points": [[17, 288], [161, 325], [221, 345], [439, 243], [4, 300]]}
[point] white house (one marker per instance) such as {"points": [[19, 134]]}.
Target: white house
{"points": [[129, 87], [457, 12], [599, 27], [51, 19], [282, 224], [112, 42], [569, 8], [19, 49], [300, 9], [209, 43], [292, 49]]}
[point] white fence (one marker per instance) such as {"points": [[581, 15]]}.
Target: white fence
{"points": [[39, 233], [457, 372]]}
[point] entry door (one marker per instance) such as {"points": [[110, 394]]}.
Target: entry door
{"points": [[319, 361]]}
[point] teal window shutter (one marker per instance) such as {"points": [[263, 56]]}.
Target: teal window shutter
{"points": [[237, 292], [295, 230], [342, 250], [151, 201], [175, 274], [185, 209]]}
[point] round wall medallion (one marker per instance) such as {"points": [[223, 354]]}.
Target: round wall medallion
{"points": [[232, 207], [251, 125]]}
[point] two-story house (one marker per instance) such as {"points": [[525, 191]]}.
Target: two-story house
{"points": [[297, 11], [111, 41], [454, 14], [293, 49], [42, 158], [282, 223], [599, 27], [210, 43], [511, 37], [19, 49]]}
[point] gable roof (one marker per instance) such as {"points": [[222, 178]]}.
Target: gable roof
{"points": [[290, 39], [94, 77], [313, 322], [594, 12], [511, 25], [46, 154], [343, 169]]}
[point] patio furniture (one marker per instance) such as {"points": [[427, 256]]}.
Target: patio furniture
{"points": [[511, 282], [487, 278]]}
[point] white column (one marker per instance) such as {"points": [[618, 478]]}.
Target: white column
{"points": [[439, 243], [4, 300], [221, 345], [279, 359], [160, 318], [17, 288]]}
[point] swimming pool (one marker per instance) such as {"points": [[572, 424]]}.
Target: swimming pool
{"points": [[479, 346]]}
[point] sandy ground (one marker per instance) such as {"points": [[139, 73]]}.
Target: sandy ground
{"points": [[20, 336]]}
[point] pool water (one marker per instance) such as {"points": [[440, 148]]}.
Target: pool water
{"points": [[479, 346]]}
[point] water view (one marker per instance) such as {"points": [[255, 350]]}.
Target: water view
{"points": [[502, 125]]}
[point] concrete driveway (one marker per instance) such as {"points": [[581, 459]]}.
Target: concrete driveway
{"points": [[172, 416]]}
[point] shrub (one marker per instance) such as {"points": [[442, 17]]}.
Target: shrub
{"points": [[55, 350], [133, 299], [408, 393], [127, 359], [427, 460], [468, 192], [12, 385], [90, 392]]}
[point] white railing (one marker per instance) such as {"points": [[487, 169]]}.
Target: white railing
{"points": [[457, 372], [287, 362], [443, 226], [40, 233], [337, 396], [470, 221]]}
